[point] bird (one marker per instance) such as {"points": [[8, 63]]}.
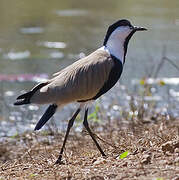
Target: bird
{"points": [[85, 80]]}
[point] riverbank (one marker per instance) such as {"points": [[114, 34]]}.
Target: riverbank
{"points": [[151, 152]]}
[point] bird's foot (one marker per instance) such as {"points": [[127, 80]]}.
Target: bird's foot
{"points": [[59, 160]]}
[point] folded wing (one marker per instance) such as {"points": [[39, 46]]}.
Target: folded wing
{"points": [[80, 81]]}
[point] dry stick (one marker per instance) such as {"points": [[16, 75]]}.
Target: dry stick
{"points": [[161, 63], [28, 152], [104, 141], [16, 165], [10, 167], [171, 62]]}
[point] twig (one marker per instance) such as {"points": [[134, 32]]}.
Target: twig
{"points": [[112, 145], [162, 61], [171, 62]]}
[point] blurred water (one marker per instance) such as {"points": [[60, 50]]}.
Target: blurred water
{"points": [[38, 37]]}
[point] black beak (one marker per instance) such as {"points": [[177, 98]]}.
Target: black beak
{"points": [[135, 28]]}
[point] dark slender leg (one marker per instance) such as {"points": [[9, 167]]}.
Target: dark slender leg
{"points": [[70, 124], [85, 123]]}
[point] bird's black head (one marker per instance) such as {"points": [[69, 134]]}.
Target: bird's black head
{"points": [[123, 23], [119, 34]]}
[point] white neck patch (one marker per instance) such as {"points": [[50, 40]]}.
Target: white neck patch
{"points": [[103, 48], [115, 43]]}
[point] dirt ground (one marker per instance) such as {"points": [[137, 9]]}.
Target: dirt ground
{"points": [[153, 154]]}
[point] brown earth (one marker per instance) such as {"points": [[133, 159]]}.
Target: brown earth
{"points": [[153, 154]]}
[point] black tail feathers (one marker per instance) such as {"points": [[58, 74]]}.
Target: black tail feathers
{"points": [[25, 98], [25, 95], [46, 116]]}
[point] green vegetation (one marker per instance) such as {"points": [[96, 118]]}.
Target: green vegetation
{"points": [[124, 154], [94, 115]]}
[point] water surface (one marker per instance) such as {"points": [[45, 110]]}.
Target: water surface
{"points": [[38, 37]]}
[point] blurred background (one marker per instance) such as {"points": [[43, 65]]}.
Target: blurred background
{"points": [[38, 38]]}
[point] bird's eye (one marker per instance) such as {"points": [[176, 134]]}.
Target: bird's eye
{"points": [[131, 27]]}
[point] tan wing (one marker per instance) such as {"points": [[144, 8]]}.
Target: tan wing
{"points": [[80, 81]]}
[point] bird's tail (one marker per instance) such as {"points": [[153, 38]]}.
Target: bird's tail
{"points": [[47, 115], [25, 98]]}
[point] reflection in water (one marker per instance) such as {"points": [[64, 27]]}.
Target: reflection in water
{"points": [[23, 77], [53, 44], [31, 30], [17, 55], [56, 54], [72, 12]]}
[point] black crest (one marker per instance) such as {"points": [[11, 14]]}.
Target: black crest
{"points": [[122, 22]]}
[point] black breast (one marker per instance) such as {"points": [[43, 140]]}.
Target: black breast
{"points": [[114, 75]]}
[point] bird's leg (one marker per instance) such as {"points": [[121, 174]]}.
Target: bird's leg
{"points": [[85, 123], [70, 124]]}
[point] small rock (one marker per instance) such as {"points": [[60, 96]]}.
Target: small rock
{"points": [[176, 178], [96, 178], [146, 159], [168, 147], [177, 150], [100, 161], [125, 164], [177, 160], [176, 145]]}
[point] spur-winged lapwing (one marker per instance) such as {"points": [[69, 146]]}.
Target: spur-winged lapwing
{"points": [[85, 80]]}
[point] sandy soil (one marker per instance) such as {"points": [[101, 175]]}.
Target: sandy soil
{"points": [[153, 154]]}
